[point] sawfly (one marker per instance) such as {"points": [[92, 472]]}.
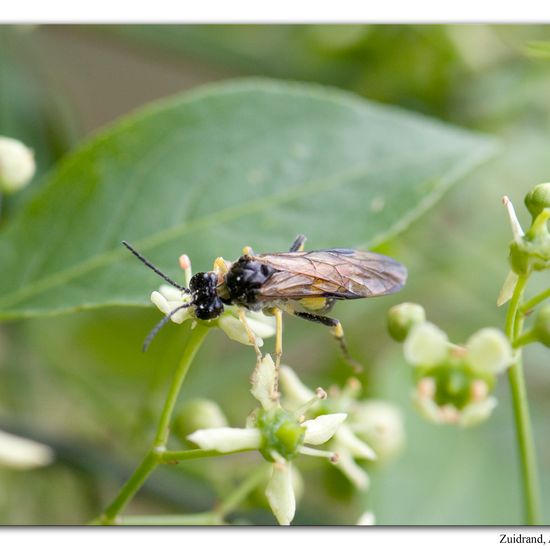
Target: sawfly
{"points": [[303, 284]]}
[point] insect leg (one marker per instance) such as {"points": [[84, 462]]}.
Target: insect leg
{"points": [[251, 335], [336, 330], [298, 244], [278, 337]]}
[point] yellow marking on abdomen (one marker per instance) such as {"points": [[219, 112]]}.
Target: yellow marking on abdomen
{"points": [[314, 304]]}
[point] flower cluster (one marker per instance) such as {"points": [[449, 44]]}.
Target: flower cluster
{"points": [[279, 434], [452, 382]]}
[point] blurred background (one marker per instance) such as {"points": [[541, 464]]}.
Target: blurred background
{"points": [[80, 382]]}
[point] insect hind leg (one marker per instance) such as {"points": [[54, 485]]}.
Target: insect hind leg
{"points": [[336, 330]]}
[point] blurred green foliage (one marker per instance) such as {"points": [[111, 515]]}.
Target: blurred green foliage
{"points": [[81, 383]]}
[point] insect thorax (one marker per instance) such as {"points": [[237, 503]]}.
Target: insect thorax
{"points": [[205, 297], [244, 280]]}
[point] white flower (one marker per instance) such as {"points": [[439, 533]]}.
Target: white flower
{"points": [[17, 165], [479, 408], [278, 434], [168, 298], [380, 423], [22, 454], [426, 345]]}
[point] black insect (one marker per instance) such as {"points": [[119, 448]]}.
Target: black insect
{"points": [[304, 284]]}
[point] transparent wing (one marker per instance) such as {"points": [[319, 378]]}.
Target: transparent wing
{"points": [[339, 273]]}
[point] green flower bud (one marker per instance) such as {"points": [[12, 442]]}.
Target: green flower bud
{"points": [[198, 414], [17, 165], [542, 326], [402, 317], [538, 199]]}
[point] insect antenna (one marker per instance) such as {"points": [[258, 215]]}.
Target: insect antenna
{"points": [[160, 324], [155, 269]]}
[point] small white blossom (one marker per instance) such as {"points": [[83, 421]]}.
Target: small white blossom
{"points": [[21, 454], [380, 424], [426, 345], [17, 165], [168, 298]]}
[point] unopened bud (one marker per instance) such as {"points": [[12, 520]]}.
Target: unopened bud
{"points": [[402, 317], [542, 326], [538, 199], [17, 165]]}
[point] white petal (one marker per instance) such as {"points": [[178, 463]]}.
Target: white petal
{"points": [[262, 325], [477, 412], [264, 383], [517, 230], [381, 424], [321, 429], [295, 392], [160, 301], [507, 289], [235, 330], [20, 453], [171, 293], [359, 449], [427, 408], [226, 440], [426, 345], [280, 493], [489, 351], [352, 470]]}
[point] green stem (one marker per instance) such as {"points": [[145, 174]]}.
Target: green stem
{"points": [[155, 455], [528, 337], [534, 301], [195, 341], [514, 325]]}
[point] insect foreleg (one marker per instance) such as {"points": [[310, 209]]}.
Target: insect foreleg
{"points": [[250, 333], [298, 244], [336, 330], [278, 337]]}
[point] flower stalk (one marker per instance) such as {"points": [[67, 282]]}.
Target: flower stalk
{"points": [[157, 454], [524, 433]]}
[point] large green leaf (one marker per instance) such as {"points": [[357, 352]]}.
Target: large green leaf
{"points": [[246, 162]]}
